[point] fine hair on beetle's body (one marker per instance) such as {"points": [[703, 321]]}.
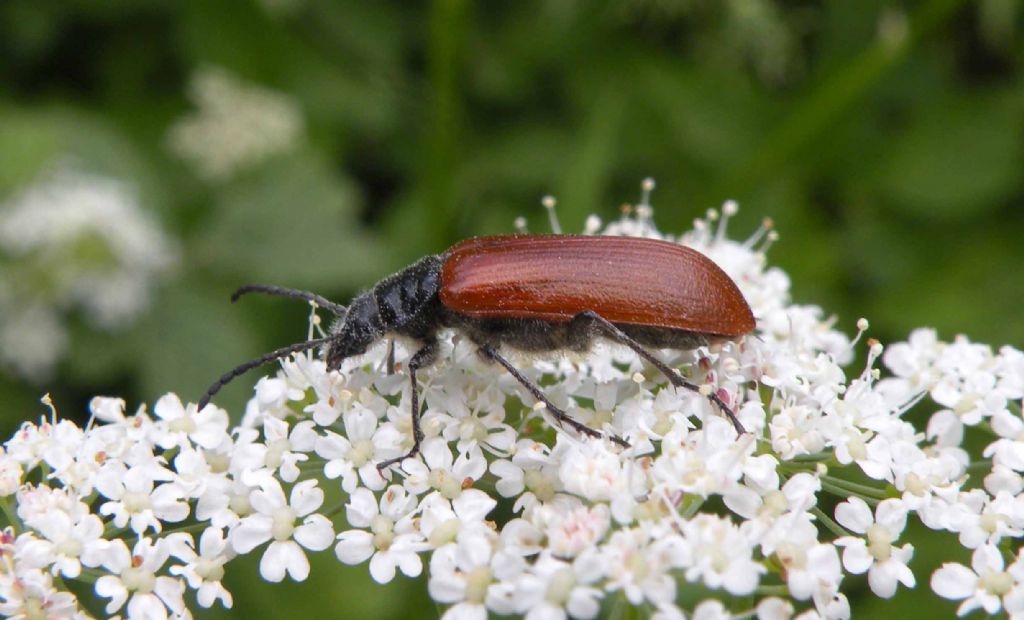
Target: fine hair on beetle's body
{"points": [[471, 289]]}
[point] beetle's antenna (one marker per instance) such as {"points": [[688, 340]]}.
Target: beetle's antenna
{"points": [[338, 309], [259, 361]]}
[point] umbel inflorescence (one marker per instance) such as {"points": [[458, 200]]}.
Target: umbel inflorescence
{"points": [[150, 507]]}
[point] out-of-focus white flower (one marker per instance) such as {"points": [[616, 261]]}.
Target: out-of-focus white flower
{"points": [[392, 540], [774, 608], [32, 592], [912, 364], [531, 475], [443, 521], [572, 530], [134, 579], [286, 446], [471, 578], [718, 553], [810, 570], [988, 519], [987, 585], [640, 561], [32, 338], [73, 241], [68, 538], [203, 571], [353, 457], [885, 563], [475, 420], [134, 499], [436, 468], [237, 125], [275, 518], [710, 609], [177, 424], [554, 589], [10, 475]]}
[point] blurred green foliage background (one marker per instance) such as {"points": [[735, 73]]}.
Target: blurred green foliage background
{"points": [[322, 145]]}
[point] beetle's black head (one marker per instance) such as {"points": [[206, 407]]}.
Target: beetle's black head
{"points": [[400, 303], [356, 332]]}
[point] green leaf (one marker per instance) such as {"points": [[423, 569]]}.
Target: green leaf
{"points": [[188, 340], [27, 142], [20, 403], [293, 223], [959, 158], [31, 141]]}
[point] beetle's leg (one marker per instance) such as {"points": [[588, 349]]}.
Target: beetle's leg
{"points": [[490, 353], [423, 357], [389, 360], [584, 320], [391, 357]]}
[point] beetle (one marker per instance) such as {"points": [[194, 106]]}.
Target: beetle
{"points": [[534, 293]]}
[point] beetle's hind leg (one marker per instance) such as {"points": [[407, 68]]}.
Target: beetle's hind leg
{"points": [[490, 353], [582, 327], [422, 358]]}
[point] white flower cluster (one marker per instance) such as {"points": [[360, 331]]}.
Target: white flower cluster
{"points": [[766, 525], [74, 240], [236, 126]]}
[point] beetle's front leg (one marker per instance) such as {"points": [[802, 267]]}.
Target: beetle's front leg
{"points": [[421, 359]]}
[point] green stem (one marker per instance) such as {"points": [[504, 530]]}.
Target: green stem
{"points": [[854, 487], [817, 457], [827, 521], [194, 527], [979, 465], [845, 493]]}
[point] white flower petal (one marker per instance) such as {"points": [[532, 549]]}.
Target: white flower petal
{"points": [[251, 532], [382, 567], [281, 557], [954, 581], [315, 534], [306, 497], [361, 508], [854, 515], [354, 546]]}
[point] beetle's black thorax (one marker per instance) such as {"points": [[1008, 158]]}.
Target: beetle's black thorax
{"points": [[406, 300]]}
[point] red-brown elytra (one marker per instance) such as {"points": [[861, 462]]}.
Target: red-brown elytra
{"points": [[536, 293]]}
